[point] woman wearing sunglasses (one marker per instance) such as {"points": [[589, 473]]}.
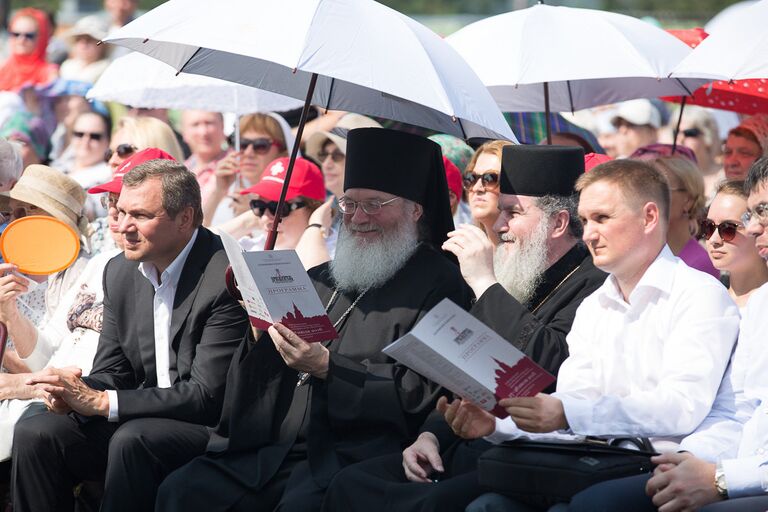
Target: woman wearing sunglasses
{"points": [[27, 39], [730, 248], [699, 133], [481, 184], [686, 206], [306, 192], [263, 137]]}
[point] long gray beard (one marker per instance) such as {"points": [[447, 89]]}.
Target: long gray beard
{"points": [[521, 270], [359, 265]]}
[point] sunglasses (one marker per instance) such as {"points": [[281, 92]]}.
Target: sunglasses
{"points": [[653, 151], [123, 151], [726, 229], [93, 136], [259, 207], [337, 156], [692, 133], [24, 35], [489, 180], [260, 146]]}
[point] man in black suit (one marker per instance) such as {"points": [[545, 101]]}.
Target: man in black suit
{"points": [[169, 331]]}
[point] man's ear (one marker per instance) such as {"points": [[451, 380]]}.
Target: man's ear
{"points": [[651, 216], [560, 224], [186, 218], [418, 211]]}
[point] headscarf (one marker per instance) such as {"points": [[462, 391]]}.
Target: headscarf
{"points": [[455, 149], [405, 165], [20, 70], [31, 130], [757, 125]]}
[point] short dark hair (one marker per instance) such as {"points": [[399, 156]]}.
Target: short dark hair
{"points": [[757, 175], [552, 204], [180, 189], [638, 181]]}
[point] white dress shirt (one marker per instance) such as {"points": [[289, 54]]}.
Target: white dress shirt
{"points": [[736, 431], [649, 367], [162, 306]]}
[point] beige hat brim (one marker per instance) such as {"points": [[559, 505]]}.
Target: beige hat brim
{"points": [[317, 140]]}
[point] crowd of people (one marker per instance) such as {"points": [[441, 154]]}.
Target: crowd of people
{"points": [[629, 260]]}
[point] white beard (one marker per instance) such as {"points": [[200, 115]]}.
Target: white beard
{"points": [[520, 271], [359, 264]]}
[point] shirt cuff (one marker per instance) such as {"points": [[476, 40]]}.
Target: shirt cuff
{"points": [[40, 355], [578, 414], [506, 430], [746, 476], [112, 396]]}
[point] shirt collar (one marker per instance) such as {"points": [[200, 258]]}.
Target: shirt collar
{"points": [[658, 276], [171, 274]]}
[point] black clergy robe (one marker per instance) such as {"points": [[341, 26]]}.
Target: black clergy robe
{"points": [[538, 328], [274, 436]]}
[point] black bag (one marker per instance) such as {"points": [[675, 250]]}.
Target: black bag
{"points": [[545, 473]]}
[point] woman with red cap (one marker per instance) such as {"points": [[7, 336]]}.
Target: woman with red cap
{"points": [[29, 33]]}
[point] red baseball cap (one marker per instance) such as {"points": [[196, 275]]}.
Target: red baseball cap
{"points": [[116, 185], [306, 180], [592, 160], [453, 176]]}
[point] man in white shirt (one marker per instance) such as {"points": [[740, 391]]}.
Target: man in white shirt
{"points": [[169, 331], [647, 349], [725, 463]]}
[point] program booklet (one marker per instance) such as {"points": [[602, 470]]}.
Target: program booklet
{"points": [[276, 289], [462, 354]]}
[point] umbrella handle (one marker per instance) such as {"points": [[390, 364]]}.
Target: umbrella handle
{"points": [[3, 341]]}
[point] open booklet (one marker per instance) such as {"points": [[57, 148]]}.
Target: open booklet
{"points": [[462, 354], [276, 288]]}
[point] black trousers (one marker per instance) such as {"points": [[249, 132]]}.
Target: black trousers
{"points": [[380, 484], [233, 481], [52, 453]]}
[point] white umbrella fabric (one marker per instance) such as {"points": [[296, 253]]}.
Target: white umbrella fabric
{"points": [[737, 50], [353, 55], [141, 81], [571, 58]]}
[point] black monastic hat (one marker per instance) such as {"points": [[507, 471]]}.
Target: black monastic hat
{"points": [[405, 165], [540, 170]]}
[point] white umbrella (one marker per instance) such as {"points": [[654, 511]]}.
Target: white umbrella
{"points": [[737, 50], [353, 55], [570, 58], [141, 81]]}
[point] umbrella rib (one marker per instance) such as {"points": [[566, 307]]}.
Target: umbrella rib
{"points": [[684, 87], [330, 94], [570, 94], [188, 60]]}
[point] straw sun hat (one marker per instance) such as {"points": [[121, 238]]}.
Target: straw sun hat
{"points": [[56, 194]]}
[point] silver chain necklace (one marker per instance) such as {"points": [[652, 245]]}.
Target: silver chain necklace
{"points": [[304, 376]]}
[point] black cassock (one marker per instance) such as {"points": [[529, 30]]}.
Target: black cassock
{"points": [[539, 329], [277, 442]]}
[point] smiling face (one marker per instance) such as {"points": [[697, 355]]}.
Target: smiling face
{"points": [[739, 254], [519, 218], [253, 163], [90, 139], [484, 201], [366, 228]]}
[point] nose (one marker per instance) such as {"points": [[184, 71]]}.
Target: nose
{"points": [[501, 226], [753, 227], [590, 233], [359, 217], [477, 186], [125, 223]]}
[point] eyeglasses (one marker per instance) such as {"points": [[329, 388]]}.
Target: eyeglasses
{"points": [[760, 212], [260, 146], [123, 151], [258, 207], [93, 136], [109, 201], [490, 180], [692, 133], [726, 229], [337, 156], [24, 35], [652, 151], [370, 207]]}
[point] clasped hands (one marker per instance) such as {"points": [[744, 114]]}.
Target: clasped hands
{"points": [[66, 391], [298, 354], [682, 483]]}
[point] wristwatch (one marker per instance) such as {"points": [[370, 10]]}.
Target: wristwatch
{"points": [[720, 484]]}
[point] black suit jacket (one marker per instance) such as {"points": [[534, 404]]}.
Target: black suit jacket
{"points": [[206, 327]]}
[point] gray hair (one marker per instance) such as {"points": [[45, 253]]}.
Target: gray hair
{"points": [[180, 189], [757, 176], [10, 161], [552, 204]]}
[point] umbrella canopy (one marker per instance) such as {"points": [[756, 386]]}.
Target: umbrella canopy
{"points": [[367, 57], [141, 81], [587, 57], [737, 50], [743, 96]]}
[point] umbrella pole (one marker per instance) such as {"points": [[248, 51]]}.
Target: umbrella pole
{"points": [[677, 127], [272, 236], [546, 113], [237, 149]]}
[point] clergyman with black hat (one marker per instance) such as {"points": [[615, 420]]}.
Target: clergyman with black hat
{"points": [[528, 292], [296, 413]]}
